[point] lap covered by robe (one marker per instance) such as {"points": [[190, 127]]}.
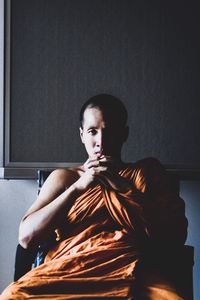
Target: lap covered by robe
{"points": [[103, 240]]}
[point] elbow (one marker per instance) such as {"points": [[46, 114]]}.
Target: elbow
{"points": [[23, 243], [25, 239]]}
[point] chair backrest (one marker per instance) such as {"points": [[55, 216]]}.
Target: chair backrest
{"points": [[42, 176]]}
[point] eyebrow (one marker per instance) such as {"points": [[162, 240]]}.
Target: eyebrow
{"points": [[91, 127]]}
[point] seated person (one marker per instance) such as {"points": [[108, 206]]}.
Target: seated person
{"points": [[107, 214]]}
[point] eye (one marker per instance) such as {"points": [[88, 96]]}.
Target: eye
{"points": [[92, 131]]}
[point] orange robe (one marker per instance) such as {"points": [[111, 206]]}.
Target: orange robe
{"points": [[103, 241]]}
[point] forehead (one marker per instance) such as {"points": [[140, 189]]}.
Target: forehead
{"points": [[96, 114], [93, 117]]}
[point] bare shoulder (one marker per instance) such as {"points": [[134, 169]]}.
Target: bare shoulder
{"points": [[55, 184], [64, 177], [59, 180]]}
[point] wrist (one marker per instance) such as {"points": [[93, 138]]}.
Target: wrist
{"points": [[73, 189]]}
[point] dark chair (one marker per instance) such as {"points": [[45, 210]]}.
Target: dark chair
{"points": [[179, 264]]}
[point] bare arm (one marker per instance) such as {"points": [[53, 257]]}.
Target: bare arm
{"points": [[55, 198]]}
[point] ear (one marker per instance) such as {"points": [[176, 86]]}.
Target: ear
{"points": [[126, 133], [81, 134]]}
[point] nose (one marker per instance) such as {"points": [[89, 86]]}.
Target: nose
{"points": [[99, 140], [102, 141]]}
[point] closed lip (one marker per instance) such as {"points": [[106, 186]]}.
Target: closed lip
{"points": [[99, 153]]}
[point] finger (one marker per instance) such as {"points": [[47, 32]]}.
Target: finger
{"points": [[91, 163], [105, 157], [95, 171], [106, 163], [108, 159]]}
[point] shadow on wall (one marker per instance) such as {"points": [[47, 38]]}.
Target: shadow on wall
{"points": [[190, 192]]}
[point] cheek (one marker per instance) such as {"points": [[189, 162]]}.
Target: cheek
{"points": [[84, 138], [88, 141]]}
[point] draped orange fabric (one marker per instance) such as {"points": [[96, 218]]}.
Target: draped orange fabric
{"points": [[101, 245]]}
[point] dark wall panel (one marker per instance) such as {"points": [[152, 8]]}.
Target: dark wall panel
{"points": [[145, 52]]}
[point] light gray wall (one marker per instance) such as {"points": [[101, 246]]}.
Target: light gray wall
{"points": [[15, 197]]}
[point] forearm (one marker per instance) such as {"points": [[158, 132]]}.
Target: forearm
{"points": [[35, 227]]}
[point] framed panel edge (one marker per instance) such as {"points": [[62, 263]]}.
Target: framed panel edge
{"points": [[32, 172], [7, 84]]}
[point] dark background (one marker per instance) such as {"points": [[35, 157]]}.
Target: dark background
{"points": [[144, 52]]}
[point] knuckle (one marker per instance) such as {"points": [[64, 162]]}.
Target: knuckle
{"points": [[92, 171]]}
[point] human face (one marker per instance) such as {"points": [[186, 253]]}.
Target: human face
{"points": [[99, 136]]}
